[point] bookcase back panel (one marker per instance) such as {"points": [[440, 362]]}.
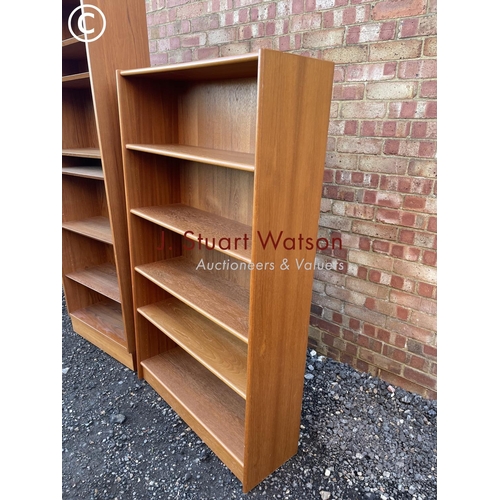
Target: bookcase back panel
{"points": [[155, 180], [83, 198], [78, 120], [218, 114], [221, 191], [80, 252]]}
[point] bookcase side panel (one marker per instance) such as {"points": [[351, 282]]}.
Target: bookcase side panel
{"points": [[292, 124]]}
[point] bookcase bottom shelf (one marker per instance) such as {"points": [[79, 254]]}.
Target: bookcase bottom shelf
{"points": [[204, 402], [102, 325]]}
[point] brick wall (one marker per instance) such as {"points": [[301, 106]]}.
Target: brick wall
{"points": [[378, 311]]}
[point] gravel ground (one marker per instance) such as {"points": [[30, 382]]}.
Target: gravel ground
{"points": [[360, 438]]}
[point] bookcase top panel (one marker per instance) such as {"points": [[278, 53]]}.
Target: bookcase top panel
{"points": [[242, 66]]}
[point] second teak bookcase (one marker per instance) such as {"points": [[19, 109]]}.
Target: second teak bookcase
{"points": [[95, 255], [223, 160]]}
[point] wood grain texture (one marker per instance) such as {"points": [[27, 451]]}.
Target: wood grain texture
{"points": [[83, 198], [225, 303], [79, 129], [102, 279], [292, 124], [240, 66], [215, 231], [78, 252], [76, 81], [215, 348], [82, 152], [97, 228], [205, 403], [89, 172], [102, 325], [230, 159], [91, 131]]}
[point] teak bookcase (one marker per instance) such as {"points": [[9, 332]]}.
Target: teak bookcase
{"points": [[95, 255], [228, 149]]}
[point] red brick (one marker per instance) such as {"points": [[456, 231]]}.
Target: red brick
{"points": [[429, 258], [324, 325], [423, 68], [396, 354], [354, 324], [417, 362], [426, 290], [338, 193], [428, 89], [206, 53], [371, 32], [381, 246], [362, 272], [297, 6], [369, 330], [351, 349], [379, 360], [419, 377], [359, 211], [374, 276], [410, 331], [383, 335], [402, 313], [364, 244], [430, 351], [399, 381], [348, 92], [418, 26], [432, 224], [397, 282], [390, 9], [361, 365], [371, 72], [309, 22], [414, 203]]}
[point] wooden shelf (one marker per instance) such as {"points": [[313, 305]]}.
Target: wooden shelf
{"points": [[82, 152], [218, 230], [78, 81], [105, 318], [103, 279], [216, 349], [97, 228], [230, 159], [223, 302], [87, 172], [205, 403]]}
